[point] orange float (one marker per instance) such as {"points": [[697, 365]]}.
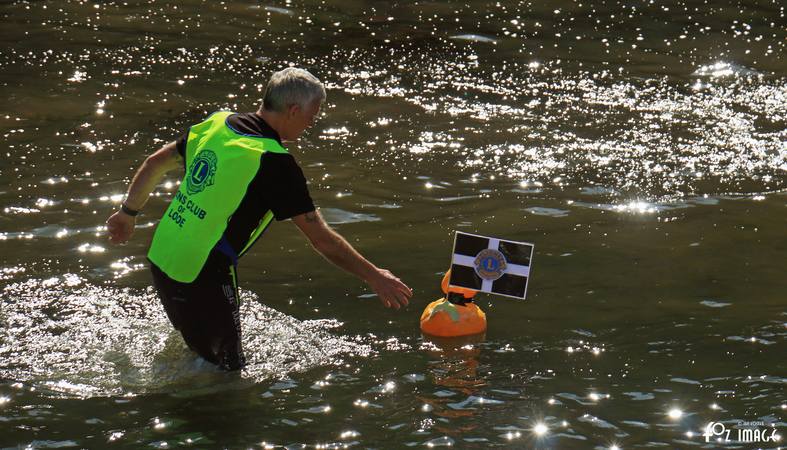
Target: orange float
{"points": [[453, 315]]}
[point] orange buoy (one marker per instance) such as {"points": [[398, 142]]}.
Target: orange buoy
{"points": [[445, 318]]}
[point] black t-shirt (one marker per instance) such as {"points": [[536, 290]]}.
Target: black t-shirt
{"points": [[279, 185]]}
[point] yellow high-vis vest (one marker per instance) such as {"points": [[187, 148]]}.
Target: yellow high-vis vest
{"points": [[220, 164]]}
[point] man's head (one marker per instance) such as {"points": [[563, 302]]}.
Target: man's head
{"points": [[292, 100]]}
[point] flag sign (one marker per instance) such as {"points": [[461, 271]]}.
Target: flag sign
{"points": [[491, 265]]}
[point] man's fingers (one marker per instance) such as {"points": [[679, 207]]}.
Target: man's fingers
{"points": [[402, 297], [404, 288], [393, 292], [118, 236], [397, 299]]}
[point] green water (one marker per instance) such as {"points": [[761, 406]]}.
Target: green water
{"points": [[642, 147]]}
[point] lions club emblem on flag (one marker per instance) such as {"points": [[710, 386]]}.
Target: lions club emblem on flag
{"points": [[490, 264]]}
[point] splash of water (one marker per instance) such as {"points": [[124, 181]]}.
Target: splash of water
{"points": [[69, 337]]}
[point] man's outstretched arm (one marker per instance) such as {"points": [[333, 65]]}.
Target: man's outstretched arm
{"points": [[120, 225], [392, 292]]}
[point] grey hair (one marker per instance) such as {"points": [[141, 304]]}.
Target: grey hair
{"points": [[292, 86]]}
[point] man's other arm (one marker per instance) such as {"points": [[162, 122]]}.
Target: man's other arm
{"points": [[392, 291], [120, 225]]}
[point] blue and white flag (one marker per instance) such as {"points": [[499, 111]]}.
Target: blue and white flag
{"points": [[492, 265]]}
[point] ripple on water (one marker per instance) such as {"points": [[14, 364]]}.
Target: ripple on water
{"points": [[470, 37], [723, 69], [75, 339], [443, 441], [714, 304], [472, 402], [596, 422], [550, 212], [640, 396], [335, 216]]}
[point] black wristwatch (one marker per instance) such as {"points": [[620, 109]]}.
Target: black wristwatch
{"points": [[127, 210]]}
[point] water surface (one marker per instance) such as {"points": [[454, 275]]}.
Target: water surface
{"points": [[642, 146]]}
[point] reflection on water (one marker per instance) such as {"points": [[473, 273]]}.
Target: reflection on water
{"points": [[641, 145]]}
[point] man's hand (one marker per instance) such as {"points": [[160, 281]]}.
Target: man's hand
{"points": [[392, 291], [120, 226]]}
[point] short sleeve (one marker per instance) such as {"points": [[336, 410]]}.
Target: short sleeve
{"points": [[180, 144], [285, 190]]}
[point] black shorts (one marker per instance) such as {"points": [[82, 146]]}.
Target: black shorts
{"points": [[206, 311]]}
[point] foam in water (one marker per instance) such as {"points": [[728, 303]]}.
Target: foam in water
{"points": [[72, 338]]}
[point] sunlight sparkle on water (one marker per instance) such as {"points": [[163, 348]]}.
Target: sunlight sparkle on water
{"points": [[84, 248], [675, 413], [540, 429], [720, 69], [637, 207], [44, 202], [78, 77], [349, 434], [115, 436]]}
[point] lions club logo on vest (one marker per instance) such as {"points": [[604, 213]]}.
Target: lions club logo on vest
{"points": [[201, 172], [490, 264]]}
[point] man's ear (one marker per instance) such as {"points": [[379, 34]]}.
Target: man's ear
{"points": [[293, 110]]}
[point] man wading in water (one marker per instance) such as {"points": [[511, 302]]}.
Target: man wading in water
{"points": [[238, 178]]}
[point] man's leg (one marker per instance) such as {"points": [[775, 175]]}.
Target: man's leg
{"points": [[230, 350], [206, 312]]}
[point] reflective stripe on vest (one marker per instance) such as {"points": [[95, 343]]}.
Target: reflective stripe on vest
{"points": [[220, 164]]}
